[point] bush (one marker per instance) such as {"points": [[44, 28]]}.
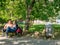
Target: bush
{"points": [[56, 28], [36, 28], [2, 20]]}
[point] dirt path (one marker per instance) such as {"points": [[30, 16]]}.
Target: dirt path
{"points": [[26, 41]]}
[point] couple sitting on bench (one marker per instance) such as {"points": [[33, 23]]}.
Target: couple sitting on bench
{"points": [[11, 27]]}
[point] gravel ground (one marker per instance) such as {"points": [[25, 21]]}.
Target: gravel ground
{"points": [[27, 41]]}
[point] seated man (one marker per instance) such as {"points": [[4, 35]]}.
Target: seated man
{"points": [[9, 27]]}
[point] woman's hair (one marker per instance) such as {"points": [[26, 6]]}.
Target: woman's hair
{"points": [[14, 21], [10, 21]]}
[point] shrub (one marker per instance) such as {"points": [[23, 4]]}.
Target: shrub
{"points": [[56, 27]]}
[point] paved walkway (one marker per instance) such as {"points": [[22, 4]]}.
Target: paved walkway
{"points": [[26, 41]]}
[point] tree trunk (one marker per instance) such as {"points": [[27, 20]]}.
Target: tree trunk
{"points": [[29, 9]]}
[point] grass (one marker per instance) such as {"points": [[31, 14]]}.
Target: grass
{"points": [[36, 28], [56, 27]]}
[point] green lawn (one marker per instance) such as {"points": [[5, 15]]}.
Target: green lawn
{"points": [[34, 28]]}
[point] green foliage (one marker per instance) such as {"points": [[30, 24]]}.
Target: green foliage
{"points": [[41, 27], [2, 20], [15, 9], [37, 28]]}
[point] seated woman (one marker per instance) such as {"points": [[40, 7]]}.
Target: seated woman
{"points": [[10, 27]]}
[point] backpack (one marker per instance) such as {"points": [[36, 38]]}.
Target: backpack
{"points": [[19, 30]]}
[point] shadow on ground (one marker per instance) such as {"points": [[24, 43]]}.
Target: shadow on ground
{"points": [[26, 41]]}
